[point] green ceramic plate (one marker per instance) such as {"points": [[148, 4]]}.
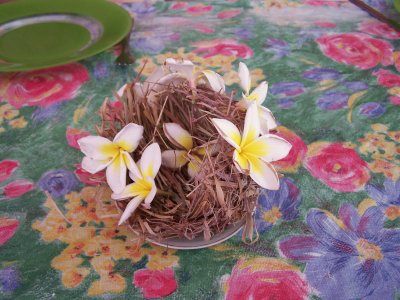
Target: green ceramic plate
{"points": [[397, 5], [36, 34]]}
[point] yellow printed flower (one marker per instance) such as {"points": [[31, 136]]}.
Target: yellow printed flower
{"points": [[72, 275], [7, 112], [161, 258], [143, 189], [18, 122], [187, 155], [254, 153], [114, 156], [258, 96]]}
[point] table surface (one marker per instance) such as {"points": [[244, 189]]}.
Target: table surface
{"points": [[330, 232]]}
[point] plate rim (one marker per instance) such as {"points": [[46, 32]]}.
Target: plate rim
{"points": [[28, 8]]}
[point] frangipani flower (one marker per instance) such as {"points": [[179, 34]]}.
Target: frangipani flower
{"points": [[143, 188], [258, 95], [101, 153], [178, 158], [253, 153]]}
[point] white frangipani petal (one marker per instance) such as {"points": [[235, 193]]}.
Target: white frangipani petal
{"points": [[97, 147], [130, 209], [121, 90], [116, 174], [150, 161], [263, 174], [178, 136], [184, 67], [129, 137], [151, 194], [93, 165], [267, 120], [244, 76], [215, 81], [259, 93], [174, 159], [251, 129], [228, 131]]}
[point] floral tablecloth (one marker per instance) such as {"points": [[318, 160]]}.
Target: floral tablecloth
{"points": [[330, 232]]}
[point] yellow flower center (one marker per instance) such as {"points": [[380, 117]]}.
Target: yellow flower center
{"points": [[336, 167], [273, 215], [252, 97], [367, 250]]}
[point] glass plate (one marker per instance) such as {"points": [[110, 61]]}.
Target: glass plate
{"points": [[44, 33]]}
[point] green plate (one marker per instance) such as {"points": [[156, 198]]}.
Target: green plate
{"points": [[37, 34], [397, 5]]}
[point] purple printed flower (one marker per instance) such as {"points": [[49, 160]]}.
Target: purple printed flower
{"points": [[352, 257], [371, 110], [101, 70], [140, 8], [287, 89], [278, 47], [10, 280], [387, 198], [319, 74], [356, 86], [243, 33], [153, 42], [286, 103], [58, 182], [332, 101], [42, 114], [278, 205]]}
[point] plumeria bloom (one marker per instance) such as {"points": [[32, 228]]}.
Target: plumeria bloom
{"points": [[253, 153], [258, 95], [186, 155], [143, 188], [113, 156]]}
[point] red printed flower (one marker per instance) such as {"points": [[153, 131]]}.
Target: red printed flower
{"points": [[179, 5], [322, 3], [17, 188], [336, 165], [229, 13], [204, 28], [7, 229], [264, 278], [7, 168], [292, 161], [387, 78], [324, 24], [43, 87], [357, 49], [155, 283], [396, 58], [73, 135], [199, 9], [90, 179], [223, 47], [379, 29]]}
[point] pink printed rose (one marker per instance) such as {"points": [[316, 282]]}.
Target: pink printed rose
{"points": [[7, 229], [263, 278], [7, 168], [90, 179], [229, 13], [379, 29], [387, 78], [357, 49], [292, 161], [155, 283], [336, 165], [42, 87], [199, 9], [222, 47], [73, 135]]}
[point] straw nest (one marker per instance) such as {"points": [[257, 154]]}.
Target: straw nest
{"points": [[186, 207]]}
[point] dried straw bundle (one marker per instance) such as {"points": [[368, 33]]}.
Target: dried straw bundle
{"points": [[185, 207]]}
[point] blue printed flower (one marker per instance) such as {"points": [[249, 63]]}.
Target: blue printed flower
{"points": [[42, 114], [10, 280], [288, 89], [153, 42], [332, 101], [387, 198], [58, 182], [319, 74], [243, 33], [371, 110], [101, 70], [352, 257], [140, 8], [286, 103], [356, 86], [278, 47], [274, 206]]}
